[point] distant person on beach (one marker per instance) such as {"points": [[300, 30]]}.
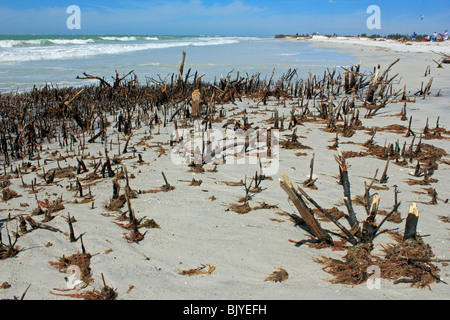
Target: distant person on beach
{"points": [[414, 35], [445, 35], [434, 36]]}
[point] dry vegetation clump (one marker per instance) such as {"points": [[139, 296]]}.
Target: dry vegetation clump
{"points": [[54, 206], [8, 194], [198, 271], [91, 177], [134, 236], [82, 260], [116, 204], [396, 217], [147, 223], [404, 262], [60, 173], [232, 183], [352, 269], [106, 293], [293, 145], [394, 128], [354, 154], [334, 212], [245, 207], [195, 182], [196, 168], [240, 208], [8, 250], [429, 152], [263, 205], [409, 261], [4, 181], [377, 151]]}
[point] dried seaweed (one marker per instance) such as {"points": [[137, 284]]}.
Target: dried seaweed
{"points": [[82, 260], [352, 269], [394, 128], [196, 168], [67, 172], [232, 183], [8, 250], [116, 204], [410, 260], [147, 223], [106, 293], [195, 182], [240, 208], [54, 206], [354, 154], [278, 275], [8, 194], [198, 271], [134, 236], [4, 181], [396, 217], [334, 212], [293, 145], [429, 152], [263, 205]]}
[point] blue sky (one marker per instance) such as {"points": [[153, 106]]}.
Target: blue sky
{"points": [[220, 17]]}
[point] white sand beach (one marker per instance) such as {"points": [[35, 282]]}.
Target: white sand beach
{"points": [[196, 229], [387, 44], [414, 57]]}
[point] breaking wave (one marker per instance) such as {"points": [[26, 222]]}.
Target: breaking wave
{"points": [[62, 49]]}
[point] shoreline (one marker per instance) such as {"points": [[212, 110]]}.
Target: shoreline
{"points": [[216, 57], [411, 67]]}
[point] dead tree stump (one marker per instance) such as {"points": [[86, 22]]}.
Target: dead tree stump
{"points": [[196, 103]]}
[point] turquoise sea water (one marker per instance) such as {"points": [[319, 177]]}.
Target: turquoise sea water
{"points": [[28, 60]]}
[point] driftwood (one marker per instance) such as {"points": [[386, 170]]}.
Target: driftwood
{"points": [[411, 223], [71, 232], [196, 104], [357, 234], [309, 183], [344, 181], [38, 225], [350, 237]]}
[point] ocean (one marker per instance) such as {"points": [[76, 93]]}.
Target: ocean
{"points": [[36, 60]]}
